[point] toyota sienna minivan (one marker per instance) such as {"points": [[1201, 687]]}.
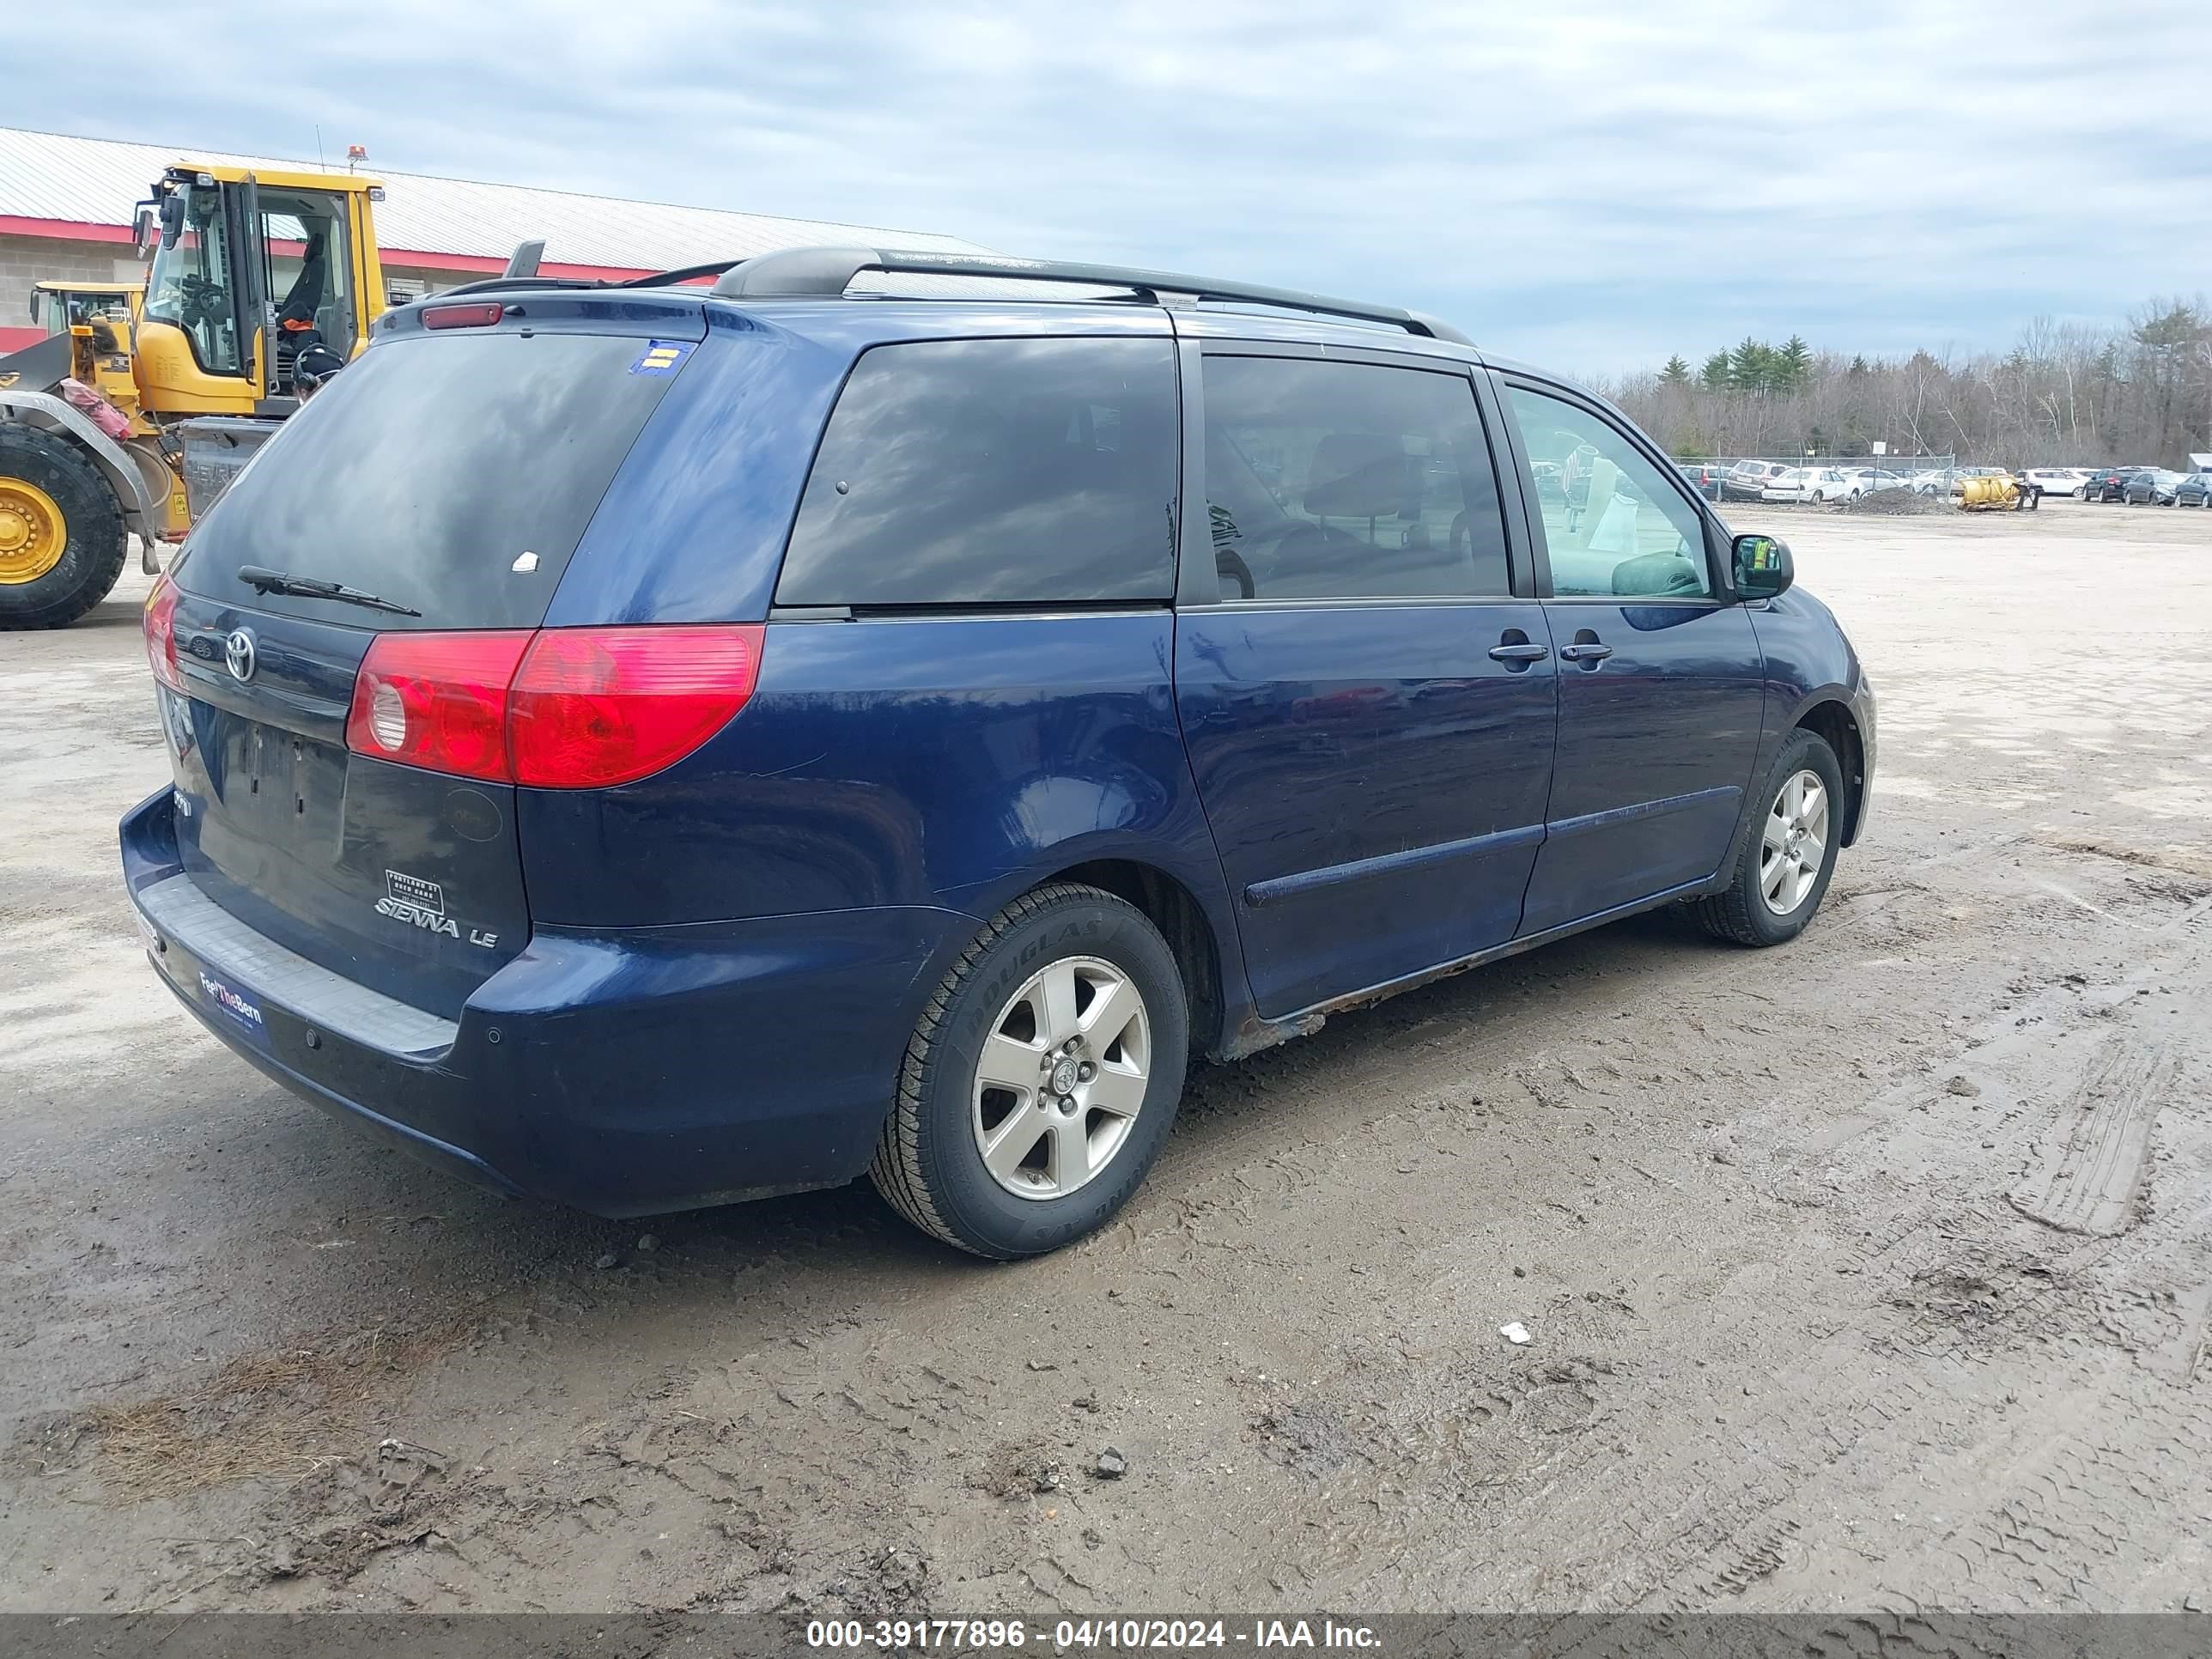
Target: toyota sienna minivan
{"points": [[656, 745]]}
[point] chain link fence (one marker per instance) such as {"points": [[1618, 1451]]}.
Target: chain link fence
{"points": [[1748, 478]]}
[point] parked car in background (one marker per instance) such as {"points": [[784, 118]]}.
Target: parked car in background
{"points": [[2152, 486], [2194, 490], [1813, 483], [1704, 477], [1747, 481], [1872, 478], [828, 768], [2106, 482], [2055, 480]]}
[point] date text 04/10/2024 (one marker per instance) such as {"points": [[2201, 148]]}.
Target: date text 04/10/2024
{"points": [[1123, 1634]]}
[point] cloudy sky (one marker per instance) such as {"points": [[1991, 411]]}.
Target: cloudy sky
{"points": [[1592, 184]]}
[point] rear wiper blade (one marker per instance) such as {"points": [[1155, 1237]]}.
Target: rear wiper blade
{"points": [[264, 581]]}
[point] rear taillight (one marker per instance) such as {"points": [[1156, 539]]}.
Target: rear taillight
{"points": [[161, 625], [437, 700], [599, 706], [562, 708]]}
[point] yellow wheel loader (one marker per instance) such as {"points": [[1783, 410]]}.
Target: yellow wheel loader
{"points": [[250, 268]]}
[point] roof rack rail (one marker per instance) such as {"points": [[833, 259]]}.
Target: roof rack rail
{"points": [[826, 272]]}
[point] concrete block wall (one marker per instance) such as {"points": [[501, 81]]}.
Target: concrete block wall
{"points": [[28, 259]]}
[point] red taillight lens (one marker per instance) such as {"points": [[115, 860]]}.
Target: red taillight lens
{"points": [[160, 625], [593, 707], [467, 316], [563, 709], [437, 700]]}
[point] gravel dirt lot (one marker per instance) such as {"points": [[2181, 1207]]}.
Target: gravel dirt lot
{"points": [[1871, 1271]]}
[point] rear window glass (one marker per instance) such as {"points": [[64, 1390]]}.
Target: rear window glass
{"points": [[994, 472], [451, 474]]}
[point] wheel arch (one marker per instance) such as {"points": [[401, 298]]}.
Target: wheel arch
{"points": [[1829, 717], [1197, 924], [1170, 905]]}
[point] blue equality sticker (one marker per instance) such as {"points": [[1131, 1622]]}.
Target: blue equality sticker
{"points": [[661, 356]]}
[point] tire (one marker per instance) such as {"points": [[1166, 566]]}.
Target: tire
{"points": [[930, 1164], [1742, 913], [51, 492]]}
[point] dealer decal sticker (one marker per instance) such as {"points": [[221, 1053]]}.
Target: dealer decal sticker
{"points": [[422, 903]]}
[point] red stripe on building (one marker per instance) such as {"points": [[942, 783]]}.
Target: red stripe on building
{"points": [[63, 230]]}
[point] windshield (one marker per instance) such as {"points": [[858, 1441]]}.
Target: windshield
{"points": [[189, 285]]}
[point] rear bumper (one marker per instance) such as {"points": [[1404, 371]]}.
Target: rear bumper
{"points": [[623, 1072]]}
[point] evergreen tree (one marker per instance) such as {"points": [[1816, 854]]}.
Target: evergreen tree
{"points": [[1677, 371], [1715, 374], [1793, 364], [1750, 366]]}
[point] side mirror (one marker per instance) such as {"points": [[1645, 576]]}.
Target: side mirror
{"points": [[143, 231], [1762, 567], [172, 218], [36, 297]]}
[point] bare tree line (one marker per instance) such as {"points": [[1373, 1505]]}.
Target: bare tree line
{"points": [[2066, 394]]}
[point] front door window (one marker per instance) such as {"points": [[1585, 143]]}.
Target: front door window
{"points": [[1613, 524]]}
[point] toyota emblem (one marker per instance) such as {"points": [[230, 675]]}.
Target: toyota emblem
{"points": [[238, 653]]}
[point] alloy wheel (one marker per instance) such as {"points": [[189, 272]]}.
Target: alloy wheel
{"points": [[1793, 842], [1061, 1078]]}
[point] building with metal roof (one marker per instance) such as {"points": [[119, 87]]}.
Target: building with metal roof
{"points": [[65, 212]]}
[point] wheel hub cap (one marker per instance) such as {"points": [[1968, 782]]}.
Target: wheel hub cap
{"points": [[1063, 1076], [33, 535]]}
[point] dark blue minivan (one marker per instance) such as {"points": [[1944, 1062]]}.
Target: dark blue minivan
{"points": [[656, 745]]}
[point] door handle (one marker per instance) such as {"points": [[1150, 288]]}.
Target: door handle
{"points": [[1585, 651], [1522, 653]]}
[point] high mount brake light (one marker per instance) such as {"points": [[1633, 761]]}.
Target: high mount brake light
{"points": [[479, 315], [561, 708]]}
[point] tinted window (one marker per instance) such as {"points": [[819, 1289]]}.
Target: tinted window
{"points": [[426, 471], [994, 472], [1613, 524], [1332, 480]]}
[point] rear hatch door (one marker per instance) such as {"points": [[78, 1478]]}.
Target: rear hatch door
{"points": [[449, 473]]}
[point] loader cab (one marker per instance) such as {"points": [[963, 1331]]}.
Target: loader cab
{"points": [[249, 268], [60, 306]]}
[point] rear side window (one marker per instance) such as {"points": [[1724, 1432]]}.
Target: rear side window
{"points": [[452, 475], [1335, 480], [994, 472]]}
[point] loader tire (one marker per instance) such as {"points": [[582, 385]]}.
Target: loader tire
{"points": [[61, 539]]}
